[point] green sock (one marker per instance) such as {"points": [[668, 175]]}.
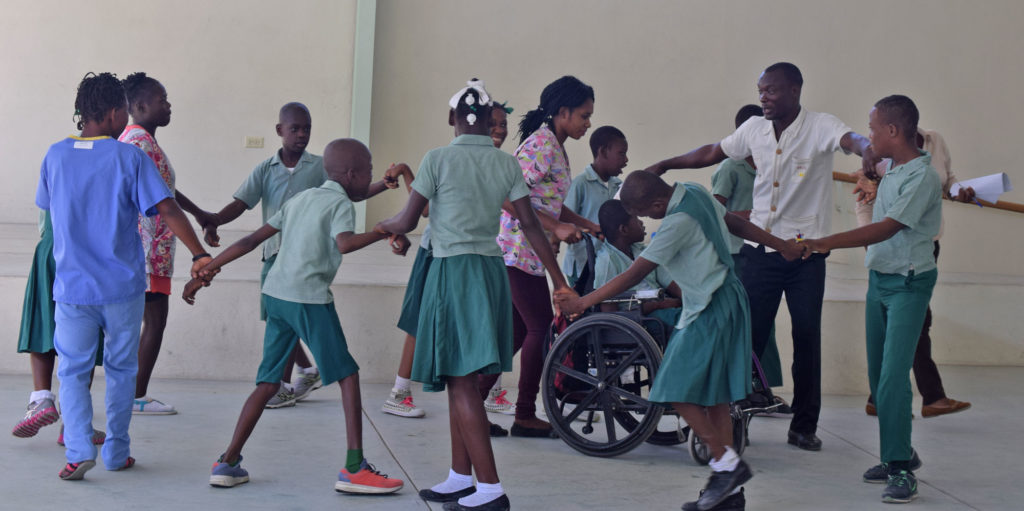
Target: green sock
{"points": [[353, 460]]}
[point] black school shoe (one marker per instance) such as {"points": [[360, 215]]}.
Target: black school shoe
{"points": [[499, 504], [879, 473], [735, 502], [497, 431], [722, 484], [805, 441], [522, 431], [433, 496]]}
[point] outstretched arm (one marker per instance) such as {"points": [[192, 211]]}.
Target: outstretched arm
{"points": [[563, 231], [239, 249], [859, 144], [179, 225], [571, 304], [350, 242], [203, 217], [742, 227], [703, 156], [859, 237], [530, 224], [406, 219], [228, 214]]}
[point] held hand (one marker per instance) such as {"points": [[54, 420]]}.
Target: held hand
{"points": [[865, 189], [189, 294], [205, 218], [207, 275], [792, 250], [594, 230], [210, 235], [199, 264], [379, 229], [555, 244], [568, 233], [868, 162], [399, 244], [567, 301], [813, 247], [395, 171], [966, 195]]}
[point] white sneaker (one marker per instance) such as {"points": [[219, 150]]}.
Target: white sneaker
{"points": [[146, 405], [496, 403], [284, 397], [306, 384], [400, 403]]}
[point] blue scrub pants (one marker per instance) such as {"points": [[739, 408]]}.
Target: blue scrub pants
{"points": [[76, 340]]}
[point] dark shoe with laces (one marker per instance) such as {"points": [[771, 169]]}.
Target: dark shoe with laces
{"points": [[721, 484], [499, 504], [805, 441], [879, 473], [433, 496], [734, 502], [900, 488]]}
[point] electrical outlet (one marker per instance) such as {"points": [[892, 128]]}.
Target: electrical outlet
{"points": [[254, 142]]}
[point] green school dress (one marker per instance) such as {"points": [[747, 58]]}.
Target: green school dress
{"points": [[708, 360]]}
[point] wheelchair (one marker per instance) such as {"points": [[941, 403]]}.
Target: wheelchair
{"points": [[602, 366]]}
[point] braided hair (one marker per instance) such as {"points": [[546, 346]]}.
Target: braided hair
{"points": [[138, 86], [567, 91], [97, 95]]}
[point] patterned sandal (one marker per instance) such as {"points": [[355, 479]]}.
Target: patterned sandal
{"points": [[76, 471]]}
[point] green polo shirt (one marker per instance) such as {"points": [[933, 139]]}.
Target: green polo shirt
{"points": [[308, 258], [272, 183], [910, 194], [689, 257], [734, 180], [612, 262], [466, 183], [586, 195]]}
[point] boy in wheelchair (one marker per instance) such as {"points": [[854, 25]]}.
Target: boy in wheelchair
{"points": [[707, 362]]}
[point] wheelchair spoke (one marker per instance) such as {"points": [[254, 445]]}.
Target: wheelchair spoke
{"points": [[594, 341], [572, 373], [614, 375], [609, 413]]}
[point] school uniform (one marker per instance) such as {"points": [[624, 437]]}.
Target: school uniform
{"points": [[586, 195], [297, 293], [465, 320], [900, 285], [707, 360], [273, 184], [734, 180], [95, 188], [409, 319], [612, 262]]}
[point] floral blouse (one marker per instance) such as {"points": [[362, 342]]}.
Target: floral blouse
{"points": [[546, 171], [157, 239]]}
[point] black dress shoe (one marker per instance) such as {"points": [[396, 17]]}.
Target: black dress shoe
{"points": [[734, 502], [497, 431], [524, 431], [805, 441], [499, 504], [433, 496], [721, 485]]}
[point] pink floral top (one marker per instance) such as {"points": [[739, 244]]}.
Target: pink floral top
{"points": [[546, 171], [157, 239]]}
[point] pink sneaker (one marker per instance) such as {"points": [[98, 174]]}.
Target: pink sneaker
{"points": [[40, 413]]}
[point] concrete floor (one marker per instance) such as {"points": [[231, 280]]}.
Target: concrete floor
{"points": [[294, 454]]}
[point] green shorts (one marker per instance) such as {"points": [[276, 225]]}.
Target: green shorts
{"points": [[267, 264], [318, 324]]}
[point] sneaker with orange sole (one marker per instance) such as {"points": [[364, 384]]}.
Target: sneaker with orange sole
{"points": [[366, 480]]}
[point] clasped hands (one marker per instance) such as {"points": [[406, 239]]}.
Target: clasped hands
{"points": [[399, 242]]}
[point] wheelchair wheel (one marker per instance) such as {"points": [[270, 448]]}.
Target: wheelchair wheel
{"points": [[701, 453], [602, 363], [668, 431]]}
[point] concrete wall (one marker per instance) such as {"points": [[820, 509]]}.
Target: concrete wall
{"points": [[227, 66]]}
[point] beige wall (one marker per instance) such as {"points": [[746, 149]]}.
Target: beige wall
{"points": [[227, 66]]}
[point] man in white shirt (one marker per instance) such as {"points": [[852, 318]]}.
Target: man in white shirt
{"points": [[792, 150]]}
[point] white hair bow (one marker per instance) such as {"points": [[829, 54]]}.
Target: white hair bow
{"points": [[478, 86]]}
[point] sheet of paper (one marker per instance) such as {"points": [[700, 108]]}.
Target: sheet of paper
{"points": [[987, 188]]}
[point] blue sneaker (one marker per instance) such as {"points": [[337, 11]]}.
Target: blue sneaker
{"points": [[225, 475]]}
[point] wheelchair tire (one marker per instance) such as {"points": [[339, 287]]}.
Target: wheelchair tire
{"points": [[608, 346], [700, 452]]}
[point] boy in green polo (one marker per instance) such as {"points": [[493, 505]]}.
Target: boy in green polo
{"points": [[905, 219], [598, 183], [317, 226]]}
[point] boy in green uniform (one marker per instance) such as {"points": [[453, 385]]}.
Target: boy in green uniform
{"points": [[598, 183], [317, 226], [905, 219], [707, 361]]}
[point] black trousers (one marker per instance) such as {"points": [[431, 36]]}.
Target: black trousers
{"points": [[766, 277], [926, 373]]}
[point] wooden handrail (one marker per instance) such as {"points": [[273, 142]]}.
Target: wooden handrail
{"points": [[1004, 205]]}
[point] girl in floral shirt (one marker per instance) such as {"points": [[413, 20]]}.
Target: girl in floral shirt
{"points": [[564, 111], [149, 108]]}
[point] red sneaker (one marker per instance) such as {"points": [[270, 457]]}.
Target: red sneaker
{"points": [[366, 480]]}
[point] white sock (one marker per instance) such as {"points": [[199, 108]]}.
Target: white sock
{"points": [[454, 483], [309, 370], [287, 386], [402, 383], [727, 463], [484, 494], [737, 490], [39, 395]]}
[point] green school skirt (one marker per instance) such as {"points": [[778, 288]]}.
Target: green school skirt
{"points": [[410, 318], [465, 320], [37, 311], [708, 362]]}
